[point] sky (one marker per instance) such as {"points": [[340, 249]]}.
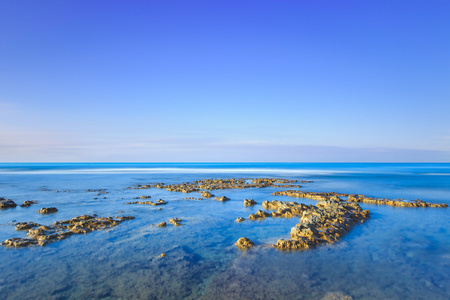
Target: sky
{"points": [[224, 81]]}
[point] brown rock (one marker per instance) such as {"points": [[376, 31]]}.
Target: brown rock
{"points": [[249, 202], [47, 210], [244, 243]]}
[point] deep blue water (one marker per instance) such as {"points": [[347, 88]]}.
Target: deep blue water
{"points": [[400, 253]]}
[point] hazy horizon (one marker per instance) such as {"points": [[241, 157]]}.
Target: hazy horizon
{"points": [[234, 81]]}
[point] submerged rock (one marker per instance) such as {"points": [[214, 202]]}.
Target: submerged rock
{"points": [[244, 243], [249, 202], [6, 203], [47, 210]]}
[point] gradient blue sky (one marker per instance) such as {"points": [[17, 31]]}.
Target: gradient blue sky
{"points": [[224, 80]]}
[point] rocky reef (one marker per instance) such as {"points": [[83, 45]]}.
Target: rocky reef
{"points": [[318, 196], [220, 184], [323, 223], [160, 202], [6, 203], [244, 243], [42, 235], [47, 210]]}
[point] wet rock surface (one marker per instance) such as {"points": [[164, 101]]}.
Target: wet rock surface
{"points": [[321, 196], [244, 243], [321, 224], [28, 203], [42, 235], [175, 221], [159, 202], [223, 198], [249, 202], [47, 210], [7, 203]]}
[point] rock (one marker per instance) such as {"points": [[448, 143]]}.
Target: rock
{"points": [[175, 221], [26, 225], [240, 219], [145, 197], [60, 230], [336, 296], [223, 198], [206, 194], [244, 243], [162, 255], [7, 203], [160, 202], [162, 224], [357, 199], [47, 210], [249, 202], [28, 203], [259, 215]]}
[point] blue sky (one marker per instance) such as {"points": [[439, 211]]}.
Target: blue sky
{"points": [[224, 81]]}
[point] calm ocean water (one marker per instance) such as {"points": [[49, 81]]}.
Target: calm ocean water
{"points": [[400, 253]]}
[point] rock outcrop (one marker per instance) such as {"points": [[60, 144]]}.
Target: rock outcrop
{"points": [[244, 243], [7, 203], [28, 203], [249, 202], [42, 235], [223, 198], [358, 199], [47, 210], [160, 202]]}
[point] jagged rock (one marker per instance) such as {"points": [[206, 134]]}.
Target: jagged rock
{"points": [[26, 225], [259, 215], [6, 203], [223, 198], [358, 199], [206, 194], [47, 210], [28, 203], [162, 224], [160, 202], [244, 243], [239, 220], [249, 202], [60, 230], [175, 221]]}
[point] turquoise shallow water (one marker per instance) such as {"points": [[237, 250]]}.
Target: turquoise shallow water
{"points": [[400, 253]]}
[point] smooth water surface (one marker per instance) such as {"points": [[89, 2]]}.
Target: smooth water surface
{"points": [[400, 253]]}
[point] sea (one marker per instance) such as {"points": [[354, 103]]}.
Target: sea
{"points": [[399, 253]]}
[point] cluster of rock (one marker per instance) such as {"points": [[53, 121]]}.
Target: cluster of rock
{"points": [[220, 184], [249, 202], [47, 210], [357, 199], [323, 223], [160, 202], [6, 203], [42, 235]]}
